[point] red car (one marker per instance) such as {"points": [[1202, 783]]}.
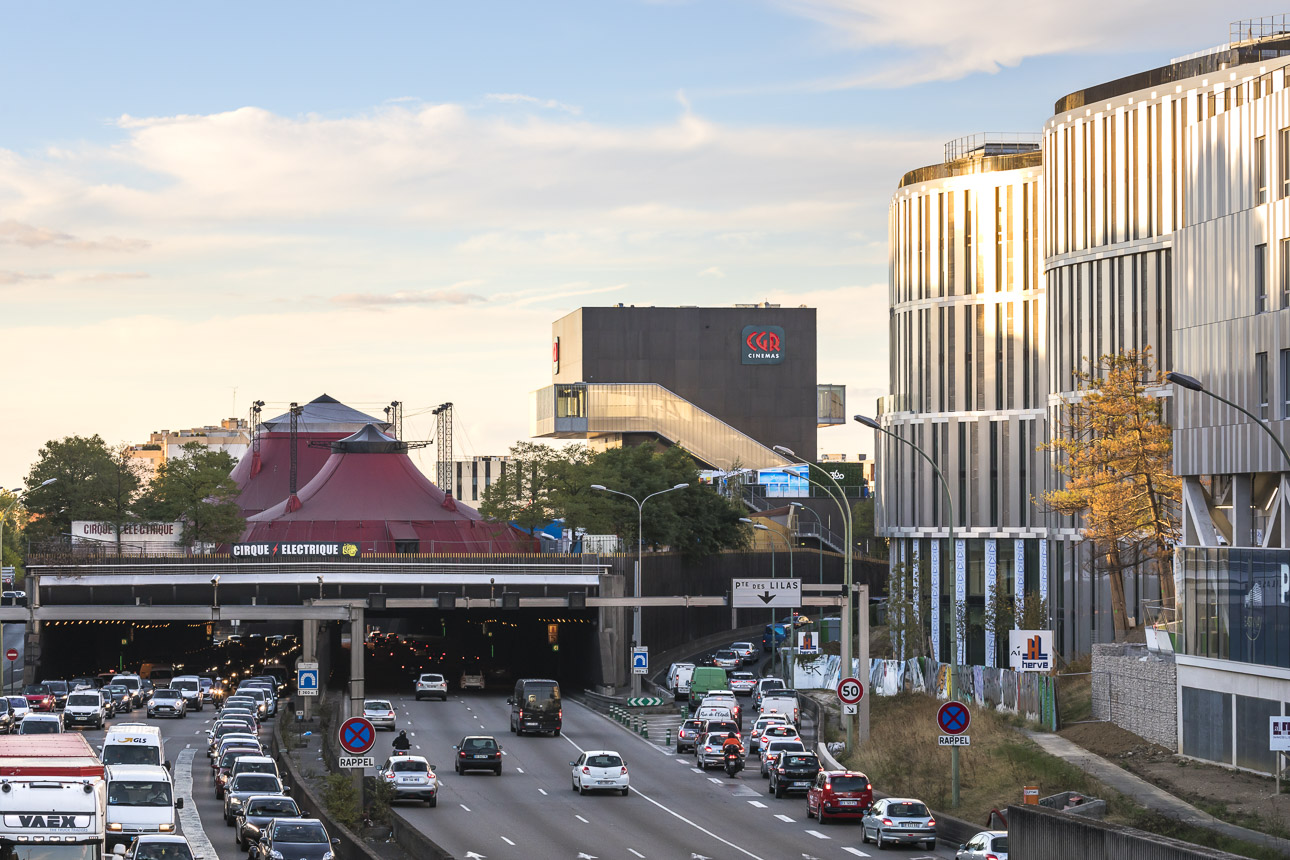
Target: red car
{"points": [[39, 697], [839, 794]]}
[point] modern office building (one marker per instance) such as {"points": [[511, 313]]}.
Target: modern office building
{"points": [[468, 478], [968, 382], [727, 384], [1165, 217], [231, 435]]}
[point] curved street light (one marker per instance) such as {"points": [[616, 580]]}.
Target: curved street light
{"points": [[640, 550], [1191, 383]]}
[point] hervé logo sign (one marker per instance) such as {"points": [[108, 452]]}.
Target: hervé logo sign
{"points": [[762, 344]]}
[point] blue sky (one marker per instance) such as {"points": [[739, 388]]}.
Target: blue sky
{"points": [[394, 200]]}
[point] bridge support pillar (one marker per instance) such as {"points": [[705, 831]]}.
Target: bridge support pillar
{"points": [[309, 654], [357, 655]]}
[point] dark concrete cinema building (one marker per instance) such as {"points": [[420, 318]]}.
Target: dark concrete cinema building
{"points": [[727, 384]]}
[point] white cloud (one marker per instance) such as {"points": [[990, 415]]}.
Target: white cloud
{"points": [[28, 236], [453, 295], [947, 39], [520, 98], [712, 272]]}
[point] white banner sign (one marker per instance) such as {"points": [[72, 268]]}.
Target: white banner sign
{"points": [[1279, 734], [130, 532], [1030, 650], [764, 593], [348, 761]]}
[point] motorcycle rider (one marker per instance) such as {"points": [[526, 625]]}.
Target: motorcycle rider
{"points": [[732, 742], [401, 743]]}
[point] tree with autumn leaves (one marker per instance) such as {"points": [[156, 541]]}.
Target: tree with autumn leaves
{"points": [[1116, 454]]}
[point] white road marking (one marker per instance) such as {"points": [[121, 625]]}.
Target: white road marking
{"points": [[782, 817], [637, 853], [697, 769], [519, 770], [464, 806], [507, 841], [583, 820], [682, 761], [855, 851], [714, 779], [817, 834], [758, 804], [542, 791]]}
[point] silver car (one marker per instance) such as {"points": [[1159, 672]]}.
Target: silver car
{"points": [[412, 778], [244, 786], [986, 844], [380, 713], [899, 821], [707, 752], [432, 685]]}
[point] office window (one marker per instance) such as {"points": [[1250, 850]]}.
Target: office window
{"points": [[1261, 169], [1285, 384], [1285, 273], [1283, 160], [1260, 279], [1261, 380]]}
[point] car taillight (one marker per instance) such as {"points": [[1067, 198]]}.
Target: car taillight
{"points": [[931, 822], [623, 772], [389, 776], [779, 770], [992, 857], [462, 753], [521, 713], [586, 769], [868, 786], [886, 822], [560, 714]]}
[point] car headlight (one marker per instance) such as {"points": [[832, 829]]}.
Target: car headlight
{"points": [[328, 856], [114, 827], [275, 854], [233, 801], [166, 828]]}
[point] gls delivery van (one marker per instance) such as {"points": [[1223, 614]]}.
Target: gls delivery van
{"points": [[134, 743], [140, 799]]}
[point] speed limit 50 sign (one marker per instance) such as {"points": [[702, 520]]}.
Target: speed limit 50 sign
{"points": [[850, 691]]}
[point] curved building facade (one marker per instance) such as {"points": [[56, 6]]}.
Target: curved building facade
{"points": [[969, 377]]}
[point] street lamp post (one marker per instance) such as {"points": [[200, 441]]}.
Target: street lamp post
{"points": [[640, 555], [819, 520], [1191, 383], [847, 559], [949, 510], [792, 627], [4, 515]]}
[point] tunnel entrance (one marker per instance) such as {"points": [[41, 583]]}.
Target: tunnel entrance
{"points": [[503, 645]]}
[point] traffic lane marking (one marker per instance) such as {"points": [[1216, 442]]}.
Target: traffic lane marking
{"points": [[817, 834], [783, 817]]}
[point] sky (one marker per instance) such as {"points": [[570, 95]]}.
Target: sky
{"points": [[205, 204]]}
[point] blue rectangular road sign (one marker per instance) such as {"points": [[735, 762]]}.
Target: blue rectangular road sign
{"points": [[307, 679], [640, 660]]}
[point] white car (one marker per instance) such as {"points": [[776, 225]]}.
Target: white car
{"points": [[742, 683], [600, 770], [985, 845], [412, 778], [85, 707], [380, 713], [41, 724], [431, 685]]}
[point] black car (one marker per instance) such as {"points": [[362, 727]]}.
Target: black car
{"points": [[7, 724], [121, 697], [254, 817], [795, 771], [294, 839], [478, 752]]}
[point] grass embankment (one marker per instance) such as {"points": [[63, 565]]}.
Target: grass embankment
{"points": [[902, 758]]}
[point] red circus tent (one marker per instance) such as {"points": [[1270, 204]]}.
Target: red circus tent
{"points": [[369, 492], [264, 474]]}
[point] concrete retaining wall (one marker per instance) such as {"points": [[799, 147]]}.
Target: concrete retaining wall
{"points": [[1034, 831], [1137, 690]]}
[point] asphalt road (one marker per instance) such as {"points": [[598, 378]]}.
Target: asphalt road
{"points": [[532, 812]]}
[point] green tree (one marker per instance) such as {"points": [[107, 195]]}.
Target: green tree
{"points": [[865, 534], [197, 489], [538, 480], [120, 490], [909, 612], [86, 483]]}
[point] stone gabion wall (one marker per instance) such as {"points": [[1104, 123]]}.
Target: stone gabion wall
{"points": [[1137, 690]]}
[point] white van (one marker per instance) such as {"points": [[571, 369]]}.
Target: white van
{"points": [[134, 744], [678, 679], [714, 712], [190, 687], [140, 799]]}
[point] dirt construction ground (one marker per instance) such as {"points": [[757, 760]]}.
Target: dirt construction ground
{"points": [[1234, 796]]}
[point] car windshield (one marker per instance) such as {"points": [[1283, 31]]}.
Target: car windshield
{"points": [[17, 701], [39, 727], [139, 793], [849, 783], [258, 767], [91, 699], [480, 744], [742, 676], [165, 693], [231, 756], [255, 782], [801, 761], [604, 760], [272, 807], [377, 706], [131, 754], [297, 834], [907, 810], [432, 679], [190, 684], [36, 690], [163, 851], [406, 766]]}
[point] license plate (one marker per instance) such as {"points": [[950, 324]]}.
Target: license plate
{"points": [[801, 784], [848, 802], [606, 782], [530, 724], [481, 756], [408, 779]]}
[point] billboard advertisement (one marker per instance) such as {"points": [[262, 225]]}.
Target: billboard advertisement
{"points": [[168, 533]]}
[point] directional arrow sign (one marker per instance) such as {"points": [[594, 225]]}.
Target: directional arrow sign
{"points": [[762, 593], [644, 702]]}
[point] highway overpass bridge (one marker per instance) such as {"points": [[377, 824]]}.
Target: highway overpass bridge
{"points": [[563, 616]]}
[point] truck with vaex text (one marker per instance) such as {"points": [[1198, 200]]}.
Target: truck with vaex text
{"points": [[53, 799]]}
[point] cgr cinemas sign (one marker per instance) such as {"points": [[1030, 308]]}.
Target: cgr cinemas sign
{"points": [[762, 344]]}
